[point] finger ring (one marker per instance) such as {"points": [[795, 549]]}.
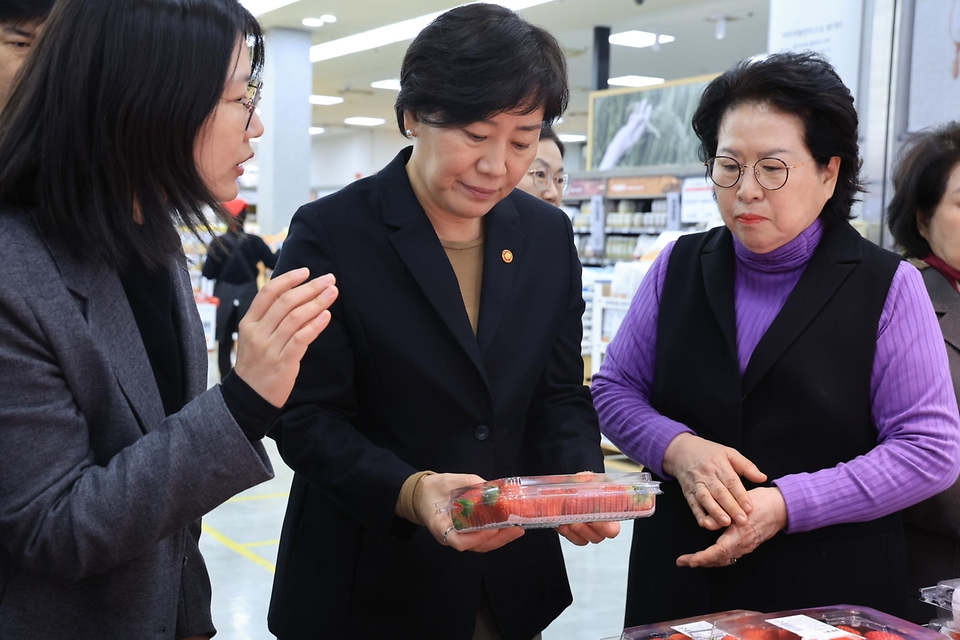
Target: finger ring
{"points": [[733, 561], [446, 533], [697, 488]]}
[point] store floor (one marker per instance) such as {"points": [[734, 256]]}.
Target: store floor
{"points": [[240, 540]]}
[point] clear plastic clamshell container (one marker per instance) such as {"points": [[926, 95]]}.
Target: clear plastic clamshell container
{"points": [[550, 501], [703, 627], [946, 597], [842, 622]]}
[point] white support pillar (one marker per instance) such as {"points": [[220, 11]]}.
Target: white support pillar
{"points": [[284, 150]]}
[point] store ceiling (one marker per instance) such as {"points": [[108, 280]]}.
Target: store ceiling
{"points": [[695, 51]]}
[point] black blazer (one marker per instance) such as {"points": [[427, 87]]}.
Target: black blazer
{"points": [[399, 383]]}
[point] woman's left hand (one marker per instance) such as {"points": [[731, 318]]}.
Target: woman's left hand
{"points": [[583, 533], [769, 516]]}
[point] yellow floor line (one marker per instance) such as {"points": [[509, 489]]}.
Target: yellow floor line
{"points": [[260, 496], [261, 543], [238, 548]]}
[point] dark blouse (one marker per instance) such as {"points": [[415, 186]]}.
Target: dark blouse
{"points": [[151, 294]]}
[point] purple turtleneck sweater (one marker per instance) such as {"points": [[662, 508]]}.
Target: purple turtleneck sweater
{"points": [[914, 406]]}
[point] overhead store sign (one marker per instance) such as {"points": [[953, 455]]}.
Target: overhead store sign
{"points": [[642, 187], [831, 28], [586, 187]]}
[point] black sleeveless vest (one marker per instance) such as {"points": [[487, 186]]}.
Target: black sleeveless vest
{"points": [[803, 404]]}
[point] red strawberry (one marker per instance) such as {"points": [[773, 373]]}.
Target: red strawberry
{"points": [[788, 635], [851, 630], [883, 635], [677, 636], [760, 633]]}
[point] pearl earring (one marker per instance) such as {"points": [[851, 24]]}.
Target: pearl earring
{"points": [[409, 133]]}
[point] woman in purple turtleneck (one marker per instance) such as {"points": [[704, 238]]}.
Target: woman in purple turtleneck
{"points": [[785, 377]]}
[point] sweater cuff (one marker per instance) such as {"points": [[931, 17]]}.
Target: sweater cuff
{"points": [[409, 499], [252, 412]]}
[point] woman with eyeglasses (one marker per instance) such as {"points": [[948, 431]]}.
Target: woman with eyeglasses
{"points": [[128, 119], [783, 375], [457, 343], [546, 178]]}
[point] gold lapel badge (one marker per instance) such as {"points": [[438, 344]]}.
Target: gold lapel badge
{"points": [[507, 256]]}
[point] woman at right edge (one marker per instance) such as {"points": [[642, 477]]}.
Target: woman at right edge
{"points": [[785, 376]]}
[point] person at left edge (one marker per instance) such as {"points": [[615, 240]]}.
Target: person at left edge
{"points": [[457, 343], [21, 21], [128, 119]]}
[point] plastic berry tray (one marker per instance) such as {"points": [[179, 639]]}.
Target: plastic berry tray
{"points": [[842, 622], [946, 597], [550, 501], [703, 627]]}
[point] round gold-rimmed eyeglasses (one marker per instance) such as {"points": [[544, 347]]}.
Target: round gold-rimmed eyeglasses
{"points": [[771, 173], [542, 178]]}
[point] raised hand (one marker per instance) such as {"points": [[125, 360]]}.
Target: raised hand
{"points": [[283, 320]]}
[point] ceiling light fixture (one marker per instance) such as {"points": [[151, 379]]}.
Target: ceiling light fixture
{"points": [[315, 131], [572, 137], [639, 39], [260, 7], [720, 30], [364, 122], [391, 33], [328, 17], [313, 23], [325, 101], [392, 85], [635, 81]]}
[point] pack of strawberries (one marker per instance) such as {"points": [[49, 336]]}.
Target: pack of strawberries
{"points": [[551, 501], [840, 622]]}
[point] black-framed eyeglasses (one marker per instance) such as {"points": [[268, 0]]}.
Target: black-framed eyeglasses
{"points": [[771, 173], [252, 99], [543, 178]]}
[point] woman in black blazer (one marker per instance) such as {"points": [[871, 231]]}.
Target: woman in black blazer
{"points": [[456, 341]]}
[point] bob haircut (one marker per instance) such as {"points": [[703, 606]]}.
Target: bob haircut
{"points": [[920, 180], [803, 85], [479, 60], [105, 119], [547, 133], [17, 12]]}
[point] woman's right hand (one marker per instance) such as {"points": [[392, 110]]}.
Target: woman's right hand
{"points": [[709, 475], [436, 490], [283, 320]]}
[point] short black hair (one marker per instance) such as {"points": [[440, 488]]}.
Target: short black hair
{"points": [[799, 84], [17, 12], [547, 133], [920, 179], [478, 60], [106, 116]]}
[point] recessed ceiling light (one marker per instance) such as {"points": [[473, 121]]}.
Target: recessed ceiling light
{"points": [[315, 131], [325, 101], [393, 84], [635, 81], [313, 22], [328, 17], [364, 122], [260, 7], [572, 137], [639, 39], [396, 32]]}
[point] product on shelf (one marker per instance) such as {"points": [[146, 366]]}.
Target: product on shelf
{"points": [[696, 628], [825, 623], [550, 501]]}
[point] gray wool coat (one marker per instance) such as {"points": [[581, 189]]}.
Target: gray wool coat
{"points": [[933, 526], [100, 493]]}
